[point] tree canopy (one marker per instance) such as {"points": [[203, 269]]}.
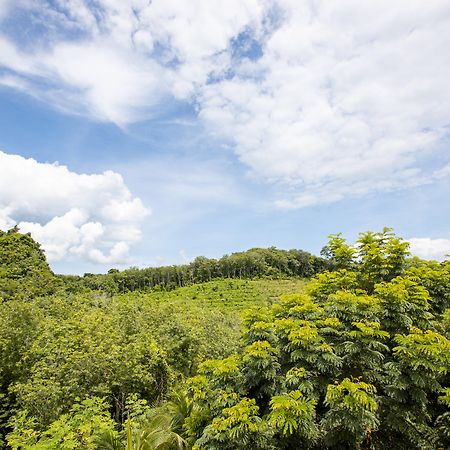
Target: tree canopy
{"points": [[24, 271], [360, 360], [357, 357]]}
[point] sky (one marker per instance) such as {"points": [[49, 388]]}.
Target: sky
{"points": [[149, 132]]}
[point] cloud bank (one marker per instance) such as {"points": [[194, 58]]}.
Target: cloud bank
{"points": [[83, 216], [348, 98], [324, 100], [427, 248]]}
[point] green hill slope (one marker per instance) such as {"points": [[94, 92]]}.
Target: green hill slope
{"points": [[24, 272], [225, 295]]}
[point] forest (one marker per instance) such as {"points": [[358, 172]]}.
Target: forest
{"points": [[254, 263], [263, 349]]}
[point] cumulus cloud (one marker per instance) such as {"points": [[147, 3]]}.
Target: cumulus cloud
{"points": [[325, 100], [348, 98], [427, 248], [86, 216]]}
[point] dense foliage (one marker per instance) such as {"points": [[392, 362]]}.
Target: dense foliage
{"points": [[24, 272], [360, 360], [65, 354], [356, 358]]}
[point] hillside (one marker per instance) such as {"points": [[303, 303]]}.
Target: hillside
{"points": [[24, 271], [87, 324], [356, 357], [224, 295]]}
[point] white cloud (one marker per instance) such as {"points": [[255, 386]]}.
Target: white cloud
{"points": [[94, 77], [339, 99], [348, 99], [93, 217], [112, 73], [428, 248], [123, 210], [119, 252]]}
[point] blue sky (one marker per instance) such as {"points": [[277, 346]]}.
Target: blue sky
{"points": [[137, 133]]}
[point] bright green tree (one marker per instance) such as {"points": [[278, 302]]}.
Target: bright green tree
{"points": [[360, 360], [24, 272]]}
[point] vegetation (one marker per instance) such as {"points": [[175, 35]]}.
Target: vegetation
{"points": [[24, 271], [255, 263], [357, 357], [360, 360]]}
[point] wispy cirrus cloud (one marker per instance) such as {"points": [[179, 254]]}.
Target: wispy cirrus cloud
{"points": [[118, 61], [91, 78]]}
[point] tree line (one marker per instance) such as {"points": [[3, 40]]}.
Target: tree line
{"points": [[254, 263]]}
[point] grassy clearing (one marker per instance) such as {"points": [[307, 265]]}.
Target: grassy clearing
{"points": [[226, 295]]}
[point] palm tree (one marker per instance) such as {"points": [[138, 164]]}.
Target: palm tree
{"points": [[156, 430], [179, 407]]}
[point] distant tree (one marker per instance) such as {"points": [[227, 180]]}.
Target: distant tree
{"points": [[253, 263]]}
